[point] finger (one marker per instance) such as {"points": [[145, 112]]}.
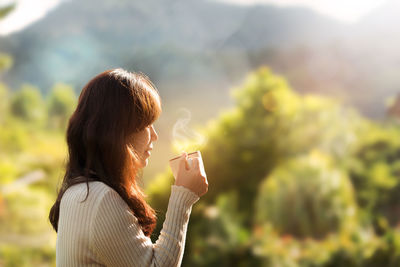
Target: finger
{"points": [[190, 162], [195, 163], [183, 161], [187, 165]]}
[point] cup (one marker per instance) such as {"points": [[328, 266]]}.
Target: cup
{"points": [[174, 163]]}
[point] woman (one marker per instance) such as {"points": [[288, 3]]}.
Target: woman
{"points": [[100, 215]]}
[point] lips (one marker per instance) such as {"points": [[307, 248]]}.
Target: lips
{"points": [[148, 151]]}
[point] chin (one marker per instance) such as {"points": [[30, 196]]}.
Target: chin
{"points": [[144, 163]]}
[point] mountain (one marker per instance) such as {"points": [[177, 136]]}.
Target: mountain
{"points": [[203, 48], [167, 39]]}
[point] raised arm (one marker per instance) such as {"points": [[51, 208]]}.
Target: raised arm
{"points": [[118, 240]]}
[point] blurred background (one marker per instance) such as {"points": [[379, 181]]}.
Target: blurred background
{"points": [[294, 105]]}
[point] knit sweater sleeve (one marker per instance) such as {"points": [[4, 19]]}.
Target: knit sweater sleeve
{"points": [[118, 240]]}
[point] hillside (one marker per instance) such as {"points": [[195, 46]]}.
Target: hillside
{"points": [[193, 46], [166, 39]]}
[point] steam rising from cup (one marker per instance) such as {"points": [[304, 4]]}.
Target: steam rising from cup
{"points": [[183, 137]]}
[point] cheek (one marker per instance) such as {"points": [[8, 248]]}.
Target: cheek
{"points": [[141, 141], [144, 141], [141, 145]]}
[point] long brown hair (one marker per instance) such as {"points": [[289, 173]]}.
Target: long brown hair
{"points": [[111, 107]]}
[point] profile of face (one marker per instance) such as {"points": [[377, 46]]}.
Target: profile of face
{"points": [[142, 141]]}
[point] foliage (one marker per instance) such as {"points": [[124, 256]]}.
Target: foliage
{"points": [[225, 239], [295, 180], [375, 169], [269, 141], [4, 100], [21, 256], [349, 248], [5, 10], [270, 124], [61, 104], [27, 104], [6, 62], [298, 154], [307, 197], [31, 162]]}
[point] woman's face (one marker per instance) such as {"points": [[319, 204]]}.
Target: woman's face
{"points": [[142, 142]]}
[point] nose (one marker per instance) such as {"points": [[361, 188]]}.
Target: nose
{"points": [[154, 135]]}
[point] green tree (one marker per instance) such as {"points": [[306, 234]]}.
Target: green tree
{"points": [[61, 103], [4, 11], [27, 104], [6, 62], [269, 125], [26, 239], [307, 197], [375, 169], [4, 100]]}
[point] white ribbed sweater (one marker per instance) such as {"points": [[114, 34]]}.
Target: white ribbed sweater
{"points": [[101, 231]]}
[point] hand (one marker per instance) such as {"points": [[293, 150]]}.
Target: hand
{"points": [[190, 176]]}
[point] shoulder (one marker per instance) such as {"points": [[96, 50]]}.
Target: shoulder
{"points": [[108, 201], [98, 192]]}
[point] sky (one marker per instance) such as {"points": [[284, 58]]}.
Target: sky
{"points": [[29, 11], [25, 13], [348, 11]]}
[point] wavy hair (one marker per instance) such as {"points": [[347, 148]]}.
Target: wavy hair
{"points": [[111, 107]]}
